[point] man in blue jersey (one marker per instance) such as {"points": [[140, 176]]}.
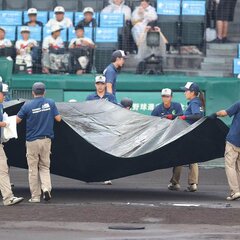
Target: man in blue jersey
{"points": [[111, 72], [40, 114], [5, 185], [167, 109], [101, 93]]}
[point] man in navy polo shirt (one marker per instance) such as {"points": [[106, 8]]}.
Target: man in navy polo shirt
{"points": [[40, 114], [167, 109], [111, 72], [5, 185], [100, 84], [232, 152]]}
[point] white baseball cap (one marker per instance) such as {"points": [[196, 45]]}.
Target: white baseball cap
{"points": [[59, 9], [56, 28], [25, 29], [32, 11], [166, 92], [3, 29], [100, 79], [88, 9]]}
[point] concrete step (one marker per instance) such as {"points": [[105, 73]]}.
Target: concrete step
{"points": [[223, 52], [217, 60], [225, 46], [202, 73], [217, 67]]}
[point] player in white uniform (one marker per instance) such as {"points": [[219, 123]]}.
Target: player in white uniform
{"points": [[52, 42], [81, 57], [60, 19], [24, 47], [3, 41]]}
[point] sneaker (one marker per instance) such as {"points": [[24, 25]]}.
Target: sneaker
{"points": [[174, 187], [234, 196], [192, 188], [226, 40], [13, 201], [108, 182], [34, 200], [217, 40], [46, 195]]}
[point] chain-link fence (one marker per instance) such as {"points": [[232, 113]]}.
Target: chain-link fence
{"points": [[90, 30]]}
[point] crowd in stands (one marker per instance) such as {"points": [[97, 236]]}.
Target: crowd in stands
{"points": [[76, 56]]}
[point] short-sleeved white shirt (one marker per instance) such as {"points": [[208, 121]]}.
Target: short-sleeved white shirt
{"points": [[5, 42], [65, 23], [49, 41]]}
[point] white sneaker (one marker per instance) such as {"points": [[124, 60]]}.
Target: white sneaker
{"points": [[174, 187], [192, 188], [234, 196], [109, 182], [34, 200], [13, 201]]}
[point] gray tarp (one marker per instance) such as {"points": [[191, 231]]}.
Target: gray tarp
{"points": [[98, 140]]}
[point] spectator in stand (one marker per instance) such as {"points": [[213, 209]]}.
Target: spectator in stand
{"points": [[4, 43], [80, 49], [141, 16], [225, 14], [32, 15], [24, 48], [89, 20], [118, 6], [60, 19], [52, 43]]}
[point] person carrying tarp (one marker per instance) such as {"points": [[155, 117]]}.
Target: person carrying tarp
{"points": [[232, 150], [167, 109], [40, 114], [192, 114]]}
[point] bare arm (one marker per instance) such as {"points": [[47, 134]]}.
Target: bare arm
{"points": [[18, 119], [3, 124], [109, 88]]}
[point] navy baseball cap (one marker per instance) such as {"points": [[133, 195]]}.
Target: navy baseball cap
{"points": [[39, 88], [126, 102], [118, 54], [191, 86]]}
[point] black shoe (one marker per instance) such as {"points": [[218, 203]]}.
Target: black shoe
{"points": [[46, 195], [225, 40], [217, 40]]}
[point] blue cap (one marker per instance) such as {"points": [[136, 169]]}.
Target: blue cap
{"points": [[191, 86]]}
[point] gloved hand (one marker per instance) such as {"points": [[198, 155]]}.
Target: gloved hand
{"points": [[182, 117], [212, 116], [169, 116]]}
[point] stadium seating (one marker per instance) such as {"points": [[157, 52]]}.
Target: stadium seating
{"points": [[42, 16], [236, 66], [9, 18], [10, 32], [16, 4], [36, 33], [96, 5], [111, 20], [42, 5], [69, 5]]}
